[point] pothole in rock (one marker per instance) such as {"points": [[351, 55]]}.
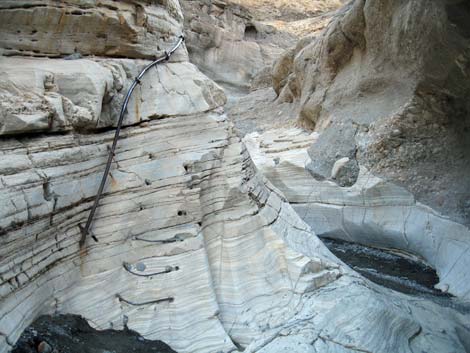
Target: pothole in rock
{"points": [[387, 268], [72, 334]]}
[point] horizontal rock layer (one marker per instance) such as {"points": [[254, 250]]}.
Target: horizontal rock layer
{"points": [[183, 218], [50, 95], [133, 29]]}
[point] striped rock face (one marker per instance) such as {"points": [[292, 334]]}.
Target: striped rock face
{"points": [[190, 239], [195, 247], [373, 211], [57, 95]]}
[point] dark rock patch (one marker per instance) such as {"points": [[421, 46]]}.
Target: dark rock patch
{"points": [[73, 334]]}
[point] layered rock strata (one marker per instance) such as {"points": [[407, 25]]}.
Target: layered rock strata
{"points": [[195, 249], [56, 95], [133, 29], [177, 223]]}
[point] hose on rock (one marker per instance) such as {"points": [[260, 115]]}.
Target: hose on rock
{"points": [[85, 230]]}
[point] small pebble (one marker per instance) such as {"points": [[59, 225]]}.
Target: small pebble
{"points": [[140, 266], [44, 347]]}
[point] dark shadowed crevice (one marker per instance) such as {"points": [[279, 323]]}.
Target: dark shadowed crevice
{"points": [[251, 33]]}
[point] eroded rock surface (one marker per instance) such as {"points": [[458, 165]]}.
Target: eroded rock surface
{"points": [[237, 41], [386, 83], [172, 204], [44, 95], [186, 222], [134, 29], [224, 40]]}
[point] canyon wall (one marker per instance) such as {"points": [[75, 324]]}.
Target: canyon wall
{"points": [[373, 211], [195, 247], [227, 43], [235, 42], [384, 88], [385, 84], [132, 29]]}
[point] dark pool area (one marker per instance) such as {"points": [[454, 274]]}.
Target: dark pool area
{"points": [[72, 334], [388, 268], [396, 271]]}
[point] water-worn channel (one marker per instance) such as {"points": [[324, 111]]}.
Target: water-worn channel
{"points": [[392, 269]]}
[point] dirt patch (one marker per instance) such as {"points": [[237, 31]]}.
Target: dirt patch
{"points": [[258, 111]]}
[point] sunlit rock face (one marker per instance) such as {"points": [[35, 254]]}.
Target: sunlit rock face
{"points": [[195, 247], [190, 239], [51, 95], [214, 255], [184, 217], [133, 29], [386, 84]]}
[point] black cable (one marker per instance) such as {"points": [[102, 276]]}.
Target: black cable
{"points": [[86, 229], [175, 239]]}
